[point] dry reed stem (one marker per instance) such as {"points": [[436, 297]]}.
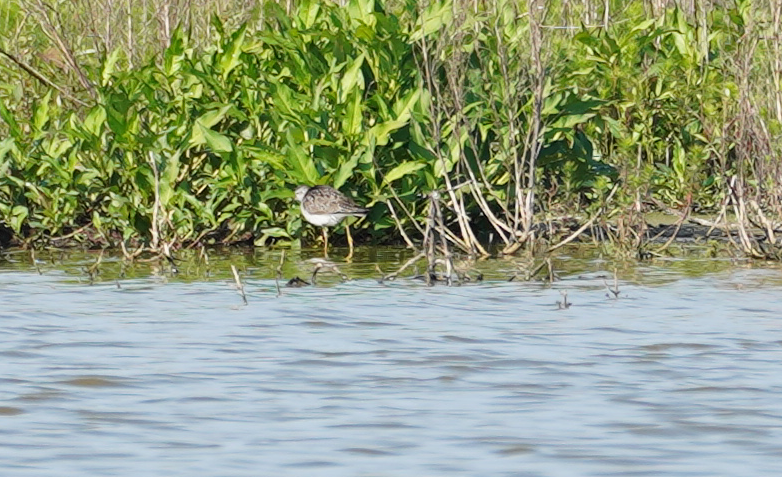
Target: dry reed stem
{"points": [[766, 224], [399, 225], [526, 195], [130, 256], [398, 200], [675, 233], [429, 64], [587, 225], [444, 243], [44, 13]]}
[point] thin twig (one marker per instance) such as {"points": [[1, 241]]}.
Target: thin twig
{"points": [[399, 225], [589, 223], [327, 266], [407, 264], [40, 77]]}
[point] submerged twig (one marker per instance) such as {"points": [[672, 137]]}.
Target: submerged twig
{"points": [[94, 269], [405, 266], [547, 264]]}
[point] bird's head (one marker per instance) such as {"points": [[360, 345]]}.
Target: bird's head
{"points": [[301, 191]]}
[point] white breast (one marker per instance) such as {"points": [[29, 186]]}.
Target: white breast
{"points": [[322, 220]]}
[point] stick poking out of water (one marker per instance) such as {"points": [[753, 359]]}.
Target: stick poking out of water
{"points": [[239, 284], [35, 262], [278, 276], [205, 257], [564, 304], [407, 264], [613, 293], [94, 270], [327, 267]]}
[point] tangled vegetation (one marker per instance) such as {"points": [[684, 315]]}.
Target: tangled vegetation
{"points": [[496, 119]]}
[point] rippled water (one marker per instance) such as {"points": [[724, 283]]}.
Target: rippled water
{"points": [[154, 374]]}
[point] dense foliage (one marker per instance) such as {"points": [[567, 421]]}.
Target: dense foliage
{"points": [[511, 121]]}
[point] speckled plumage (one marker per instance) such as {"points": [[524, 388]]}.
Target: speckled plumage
{"points": [[325, 206]]}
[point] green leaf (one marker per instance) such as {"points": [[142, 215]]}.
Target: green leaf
{"points": [[271, 232], [266, 155], [275, 232], [616, 128], [18, 215], [174, 54], [361, 11], [570, 120], [402, 170], [345, 171], [403, 107], [230, 59], [354, 117], [41, 114], [300, 165], [433, 18], [6, 145], [216, 141], [351, 79], [9, 119], [210, 118], [95, 119], [308, 12], [379, 133], [107, 68], [643, 25], [284, 102]]}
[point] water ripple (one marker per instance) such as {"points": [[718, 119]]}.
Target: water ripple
{"points": [[679, 376]]}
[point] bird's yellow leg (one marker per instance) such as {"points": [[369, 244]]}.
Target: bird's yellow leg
{"points": [[325, 243], [350, 244]]}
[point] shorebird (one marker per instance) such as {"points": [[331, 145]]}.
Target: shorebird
{"points": [[325, 206]]}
